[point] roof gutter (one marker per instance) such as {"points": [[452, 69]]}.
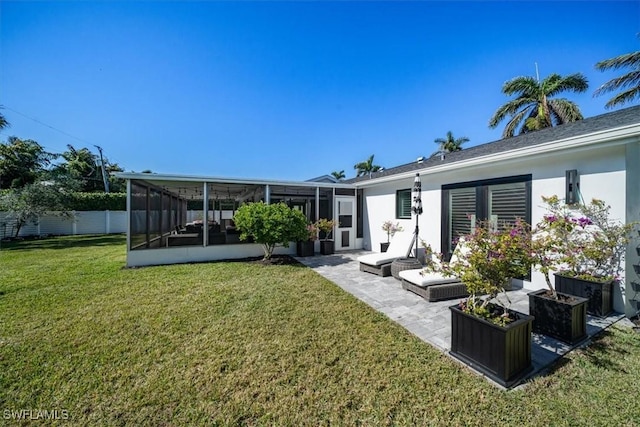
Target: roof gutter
{"points": [[220, 180], [617, 136]]}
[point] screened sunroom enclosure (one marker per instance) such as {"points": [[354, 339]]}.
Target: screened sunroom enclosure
{"points": [[175, 219]]}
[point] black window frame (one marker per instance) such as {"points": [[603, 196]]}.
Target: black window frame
{"points": [[482, 203], [399, 205]]}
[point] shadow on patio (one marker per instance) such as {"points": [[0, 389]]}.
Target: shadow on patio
{"points": [[431, 321]]}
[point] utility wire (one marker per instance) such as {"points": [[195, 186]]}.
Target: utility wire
{"points": [[46, 125]]}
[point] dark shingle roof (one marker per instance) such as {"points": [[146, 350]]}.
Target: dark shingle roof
{"points": [[627, 116]]}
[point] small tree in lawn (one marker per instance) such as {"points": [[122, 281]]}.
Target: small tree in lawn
{"points": [[32, 201], [270, 225]]}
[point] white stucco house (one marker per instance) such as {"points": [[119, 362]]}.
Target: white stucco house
{"points": [[598, 157]]}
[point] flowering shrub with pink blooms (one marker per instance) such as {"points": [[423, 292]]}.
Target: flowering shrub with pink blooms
{"points": [[312, 232], [580, 241], [490, 257]]}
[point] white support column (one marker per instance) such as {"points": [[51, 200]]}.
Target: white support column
{"points": [[107, 222], [205, 214], [267, 194], [128, 201]]}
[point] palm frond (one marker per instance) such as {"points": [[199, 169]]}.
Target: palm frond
{"points": [[524, 85], [564, 111], [624, 97], [627, 60], [573, 83], [510, 108], [510, 129], [618, 83]]}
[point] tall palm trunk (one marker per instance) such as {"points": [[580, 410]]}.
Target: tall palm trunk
{"points": [[546, 111]]}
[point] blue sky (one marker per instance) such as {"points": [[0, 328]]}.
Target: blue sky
{"points": [[286, 90]]}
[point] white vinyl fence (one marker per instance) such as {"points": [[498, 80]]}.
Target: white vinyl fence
{"points": [[84, 222]]}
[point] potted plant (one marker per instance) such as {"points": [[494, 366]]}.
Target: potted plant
{"points": [[307, 247], [485, 333], [326, 226], [390, 228], [588, 251], [556, 314]]}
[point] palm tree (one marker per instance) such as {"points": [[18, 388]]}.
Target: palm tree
{"points": [[366, 167], [628, 83], [449, 144], [533, 109], [3, 122], [338, 175]]}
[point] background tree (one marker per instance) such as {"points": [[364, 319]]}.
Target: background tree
{"points": [[116, 185], [628, 83], [366, 167], [533, 108], [33, 200], [271, 225], [449, 144], [3, 122], [79, 169], [338, 175], [21, 162]]}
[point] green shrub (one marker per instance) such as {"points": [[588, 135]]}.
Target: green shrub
{"points": [[270, 225]]}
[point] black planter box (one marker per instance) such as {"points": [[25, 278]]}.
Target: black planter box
{"points": [[305, 248], [564, 320], [384, 247], [599, 294], [326, 247], [503, 353]]}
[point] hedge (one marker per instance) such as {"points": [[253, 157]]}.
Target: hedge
{"points": [[97, 201]]}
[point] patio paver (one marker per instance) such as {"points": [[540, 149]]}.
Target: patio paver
{"points": [[431, 321]]}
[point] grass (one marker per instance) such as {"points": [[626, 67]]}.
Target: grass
{"points": [[247, 344]]}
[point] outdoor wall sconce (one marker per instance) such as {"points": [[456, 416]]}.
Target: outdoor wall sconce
{"points": [[572, 187]]}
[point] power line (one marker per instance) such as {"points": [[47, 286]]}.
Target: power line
{"points": [[47, 125]]}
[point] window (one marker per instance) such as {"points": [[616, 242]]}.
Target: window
{"points": [[403, 204], [498, 200]]}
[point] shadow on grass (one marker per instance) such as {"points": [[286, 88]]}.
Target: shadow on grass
{"points": [[604, 352], [65, 242]]}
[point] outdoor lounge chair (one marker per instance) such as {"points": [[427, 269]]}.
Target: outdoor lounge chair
{"points": [[434, 286], [380, 263]]}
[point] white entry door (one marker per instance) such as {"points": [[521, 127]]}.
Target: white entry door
{"points": [[345, 235]]}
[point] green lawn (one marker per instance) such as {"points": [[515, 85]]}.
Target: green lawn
{"points": [[247, 344]]}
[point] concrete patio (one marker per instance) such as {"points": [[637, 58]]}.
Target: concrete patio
{"points": [[431, 321]]}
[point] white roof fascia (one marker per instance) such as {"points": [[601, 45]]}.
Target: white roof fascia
{"points": [[617, 136], [220, 180]]}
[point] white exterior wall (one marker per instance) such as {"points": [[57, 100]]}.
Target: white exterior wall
{"points": [[187, 254], [601, 171], [380, 206], [85, 222]]}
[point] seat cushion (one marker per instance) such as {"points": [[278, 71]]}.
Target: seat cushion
{"points": [[414, 276], [377, 258]]}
